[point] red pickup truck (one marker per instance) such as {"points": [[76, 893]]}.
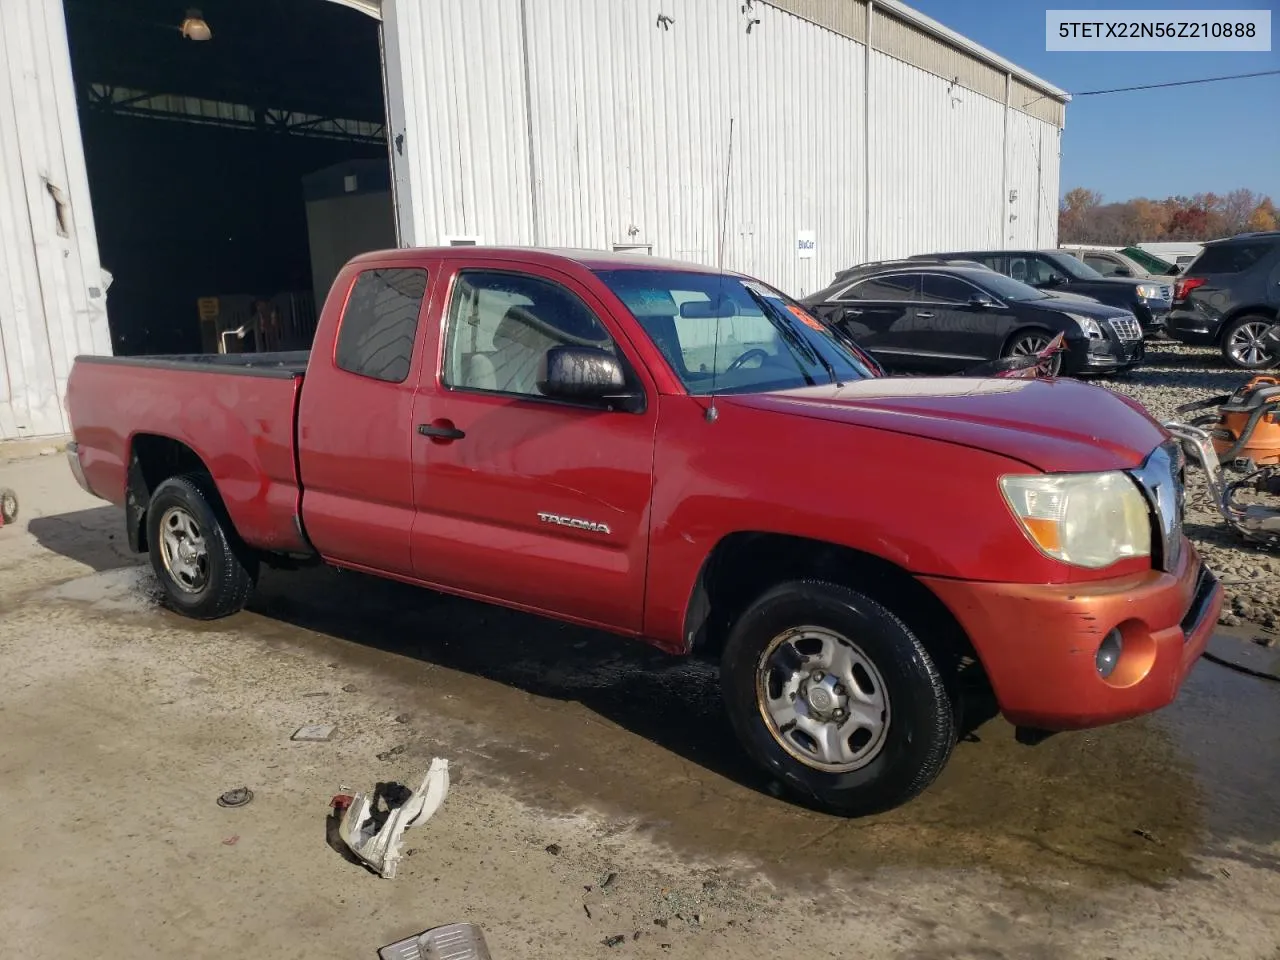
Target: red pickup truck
{"points": [[686, 456]]}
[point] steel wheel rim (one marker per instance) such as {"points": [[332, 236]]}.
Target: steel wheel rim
{"points": [[1245, 344], [183, 550], [822, 699]]}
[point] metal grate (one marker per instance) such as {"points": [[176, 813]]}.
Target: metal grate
{"points": [[1126, 328]]}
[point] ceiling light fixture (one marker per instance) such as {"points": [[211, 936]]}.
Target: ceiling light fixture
{"points": [[194, 27]]}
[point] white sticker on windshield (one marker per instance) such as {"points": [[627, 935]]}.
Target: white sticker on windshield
{"points": [[759, 289]]}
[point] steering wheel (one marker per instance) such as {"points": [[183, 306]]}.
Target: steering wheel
{"points": [[764, 355]]}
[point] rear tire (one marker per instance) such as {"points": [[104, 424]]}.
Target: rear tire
{"points": [[835, 696], [1242, 345], [206, 571]]}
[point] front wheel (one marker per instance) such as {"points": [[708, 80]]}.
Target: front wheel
{"points": [[1244, 343], [1028, 344], [205, 571], [835, 696]]}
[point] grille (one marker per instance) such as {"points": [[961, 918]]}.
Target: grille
{"points": [[1126, 328], [1163, 479]]}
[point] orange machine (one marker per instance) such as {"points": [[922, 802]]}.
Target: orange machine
{"points": [[1246, 426]]}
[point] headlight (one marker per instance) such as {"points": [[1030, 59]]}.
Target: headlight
{"points": [[1147, 291], [1084, 519], [1088, 326]]}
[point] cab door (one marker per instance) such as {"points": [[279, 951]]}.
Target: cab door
{"points": [[963, 333], [355, 416], [534, 502]]}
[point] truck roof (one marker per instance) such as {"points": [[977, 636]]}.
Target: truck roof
{"points": [[548, 256]]}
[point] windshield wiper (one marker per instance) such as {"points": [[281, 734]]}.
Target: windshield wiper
{"points": [[783, 325]]}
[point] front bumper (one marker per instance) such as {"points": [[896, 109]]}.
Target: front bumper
{"points": [[1153, 316], [1038, 643], [1100, 356]]}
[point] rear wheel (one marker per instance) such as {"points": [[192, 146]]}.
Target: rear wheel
{"points": [[1243, 343], [205, 571], [836, 697], [1030, 342]]}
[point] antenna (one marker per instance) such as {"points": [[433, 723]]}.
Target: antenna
{"points": [[712, 412]]}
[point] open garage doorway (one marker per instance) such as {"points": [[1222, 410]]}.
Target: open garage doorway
{"points": [[237, 156]]}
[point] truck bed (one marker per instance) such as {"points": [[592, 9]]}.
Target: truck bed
{"points": [[234, 413]]}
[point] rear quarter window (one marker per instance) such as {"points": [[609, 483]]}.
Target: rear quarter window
{"points": [[380, 323], [1231, 257]]}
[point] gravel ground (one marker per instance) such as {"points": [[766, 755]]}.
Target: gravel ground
{"points": [[1175, 374]]}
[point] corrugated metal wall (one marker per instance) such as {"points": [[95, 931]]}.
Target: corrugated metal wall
{"points": [[52, 301], [936, 163], [644, 138], [626, 138]]}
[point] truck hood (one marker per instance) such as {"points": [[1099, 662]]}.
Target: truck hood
{"points": [[1052, 425]]}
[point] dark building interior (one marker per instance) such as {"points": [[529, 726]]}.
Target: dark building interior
{"points": [[197, 151]]}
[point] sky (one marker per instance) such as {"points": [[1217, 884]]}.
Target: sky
{"points": [[1211, 137]]}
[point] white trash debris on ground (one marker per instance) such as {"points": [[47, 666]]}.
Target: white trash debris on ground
{"points": [[375, 835]]}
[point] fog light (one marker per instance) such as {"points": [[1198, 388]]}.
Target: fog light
{"points": [[1109, 654]]}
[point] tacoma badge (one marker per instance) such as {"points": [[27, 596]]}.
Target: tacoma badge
{"points": [[575, 523]]}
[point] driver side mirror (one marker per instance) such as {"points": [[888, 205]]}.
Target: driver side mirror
{"points": [[979, 302], [588, 375], [1123, 272]]}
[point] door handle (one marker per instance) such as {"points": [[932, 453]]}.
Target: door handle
{"points": [[924, 314], [441, 430], [855, 311]]}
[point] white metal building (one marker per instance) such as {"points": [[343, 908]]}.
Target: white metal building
{"points": [[785, 139]]}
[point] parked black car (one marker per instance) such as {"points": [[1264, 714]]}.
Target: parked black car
{"points": [[1056, 270], [912, 314], [1229, 296]]}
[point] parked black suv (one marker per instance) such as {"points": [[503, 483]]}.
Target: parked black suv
{"points": [[1057, 271], [915, 314], [1229, 296]]}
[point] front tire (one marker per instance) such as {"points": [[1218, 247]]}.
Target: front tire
{"points": [[835, 696], [1028, 343], [206, 572], [1243, 343]]}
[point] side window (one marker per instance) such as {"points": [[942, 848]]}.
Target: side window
{"points": [[380, 323], [998, 264], [1104, 265], [1043, 271], [501, 326], [1231, 257], [900, 287], [939, 288]]}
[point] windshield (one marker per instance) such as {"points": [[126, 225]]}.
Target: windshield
{"points": [[723, 334], [1007, 288], [1073, 267], [1148, 262]]}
